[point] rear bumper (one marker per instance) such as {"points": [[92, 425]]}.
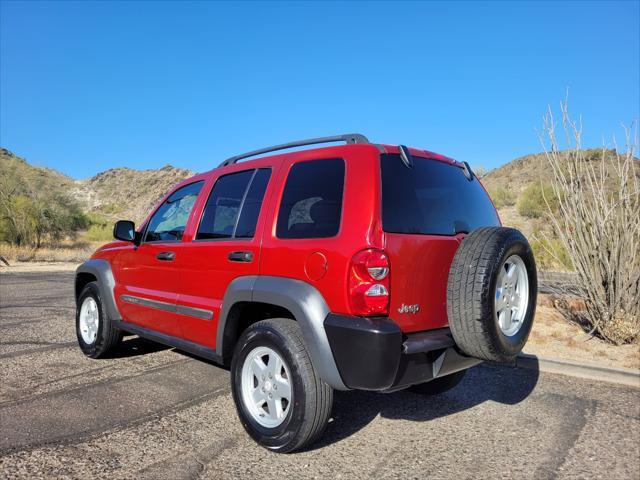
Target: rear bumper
{"points": [[374, 354]]}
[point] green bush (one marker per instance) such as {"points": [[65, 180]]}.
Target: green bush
{"points": [[502, 197], [111, 208], [550, 254], [532, 204], [99, 233], [100, 229]]}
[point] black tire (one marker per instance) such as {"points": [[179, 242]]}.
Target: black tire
{"points": [[439, 385], [312, 398], [471, 293], [108, 337]]}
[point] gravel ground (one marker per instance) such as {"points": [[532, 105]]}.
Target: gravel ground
{"points": [[153, 412]]}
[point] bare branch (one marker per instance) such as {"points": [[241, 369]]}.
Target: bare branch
{"points": [[596, 222]]}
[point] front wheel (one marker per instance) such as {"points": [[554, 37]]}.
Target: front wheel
{"points": [[97, 336], [281, 401]]}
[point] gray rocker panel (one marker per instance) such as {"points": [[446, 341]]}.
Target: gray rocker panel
{"points": [[102, 271], [305, 303]]}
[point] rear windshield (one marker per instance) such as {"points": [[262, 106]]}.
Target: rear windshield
{"points": [[433, 197]]}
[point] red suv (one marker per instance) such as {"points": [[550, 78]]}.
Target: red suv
{"points": [[357, 266]]}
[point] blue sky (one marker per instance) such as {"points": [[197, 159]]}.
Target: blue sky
{"points": [[90, 86]]}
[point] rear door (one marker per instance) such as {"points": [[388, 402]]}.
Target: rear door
{"points": [[226, 245], [147, 276], [426, 211]]}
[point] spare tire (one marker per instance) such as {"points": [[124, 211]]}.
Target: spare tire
{"points": [[491, 294]]}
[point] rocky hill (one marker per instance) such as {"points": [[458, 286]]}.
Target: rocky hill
{"points": [[31, 176], [513, 179], [125, 193], [111, 192], [518, 174], [108, 194], [118, 193]]}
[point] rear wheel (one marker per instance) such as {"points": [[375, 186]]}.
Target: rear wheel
{"points": [[281, 401], [491, 294], [439, 385]]}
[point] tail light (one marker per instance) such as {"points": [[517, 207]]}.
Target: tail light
{"points": [[369, 283]]}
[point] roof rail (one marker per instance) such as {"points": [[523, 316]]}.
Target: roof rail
{"points": [[347, 138]]}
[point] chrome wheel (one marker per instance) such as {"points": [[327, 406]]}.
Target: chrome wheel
{"points": [[89, 320], [512, 295], [266, 387]]}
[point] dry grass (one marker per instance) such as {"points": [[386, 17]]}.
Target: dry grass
{"points": [[67, 251]]}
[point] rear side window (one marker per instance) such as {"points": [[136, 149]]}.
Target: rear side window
{"points": [[433, 197], [246, 227], [234, 205], [312, 200]]}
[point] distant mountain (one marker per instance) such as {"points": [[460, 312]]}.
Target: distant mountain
{"points": [[118, 193], [520, 174], [125, 193], [31, 175], [514, 178]]}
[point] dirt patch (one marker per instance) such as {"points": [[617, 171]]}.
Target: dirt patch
{"points": [[555, 337], [20, 267]]}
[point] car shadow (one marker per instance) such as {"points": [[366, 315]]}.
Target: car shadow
{"points": [[354, 410], [134, 346], [201, 359]]}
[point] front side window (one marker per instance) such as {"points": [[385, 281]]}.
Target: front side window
{"points": [[311, 204], [169, 221], [234, 205]]}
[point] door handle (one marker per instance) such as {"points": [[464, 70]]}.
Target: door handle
{"points": [[166, 256], [241, 256]]}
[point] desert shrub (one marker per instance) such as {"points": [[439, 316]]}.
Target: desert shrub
{"points": [[502, 197], [480, 171], [99, 233], [535, 200], [111, 208], [550, 254], [100, 229], [597, 224]]}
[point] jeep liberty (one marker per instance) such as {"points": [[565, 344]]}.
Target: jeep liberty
{"points": [[358, 266]]}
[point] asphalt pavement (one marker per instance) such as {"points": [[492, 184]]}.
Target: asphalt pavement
{"points": [[154, 412]]}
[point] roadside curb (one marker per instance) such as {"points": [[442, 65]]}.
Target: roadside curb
{"points": [[621, 376]]}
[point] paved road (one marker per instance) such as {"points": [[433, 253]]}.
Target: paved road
{"points": [[153, 412]]}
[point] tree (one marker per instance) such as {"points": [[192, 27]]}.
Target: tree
{"points": [[32, 209]]}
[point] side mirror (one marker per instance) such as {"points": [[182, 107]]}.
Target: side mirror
{"points": [[125, 230]]}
